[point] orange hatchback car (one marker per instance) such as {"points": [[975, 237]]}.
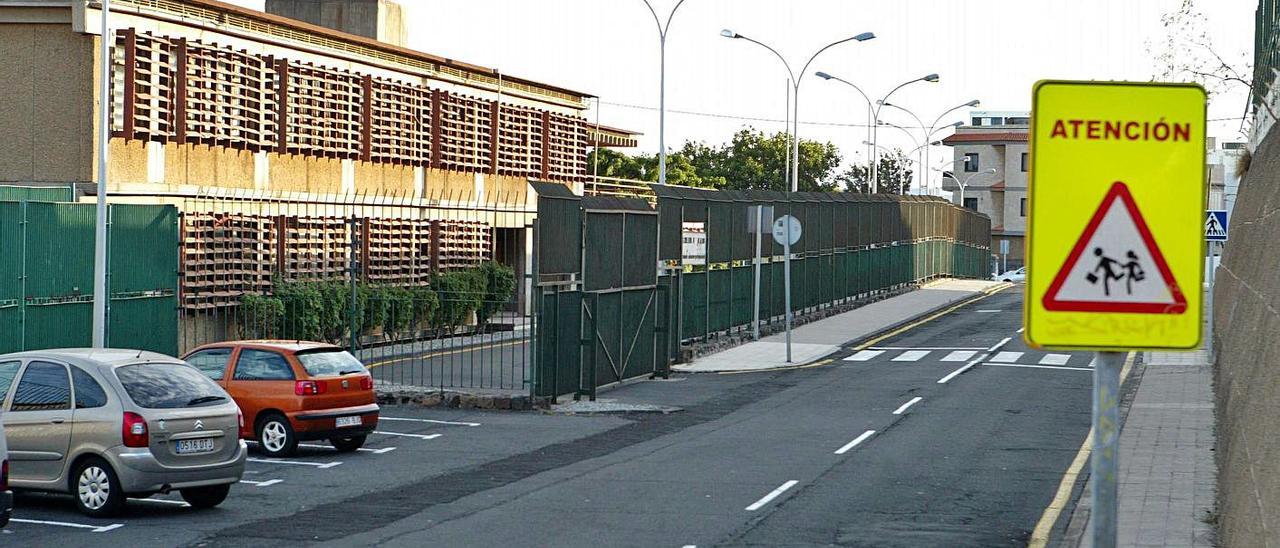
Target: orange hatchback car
{"points": [[293, 391]]}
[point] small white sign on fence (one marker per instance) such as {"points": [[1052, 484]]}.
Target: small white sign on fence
{"points": [[694, 243]]}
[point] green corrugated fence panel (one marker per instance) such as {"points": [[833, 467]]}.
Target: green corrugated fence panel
{"points": [[743, 295], [640, 311], [59, 250], [58, 325], [10, 277], [695, 305], [36, 193], [719, 284], [145, 323], [144, 248]]}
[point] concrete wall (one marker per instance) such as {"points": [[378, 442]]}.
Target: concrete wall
{"points": [[47, 108], [1247, 369], [377, 19]]}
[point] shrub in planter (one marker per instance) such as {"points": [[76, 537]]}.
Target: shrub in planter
{"points": [[261, 316], [396, 304], [426, 303], [460, 293], [500, 283]]}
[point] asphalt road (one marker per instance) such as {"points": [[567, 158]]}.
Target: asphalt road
{"points": [[868, 451]]}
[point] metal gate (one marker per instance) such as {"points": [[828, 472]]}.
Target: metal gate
{"points": [[602, 315]]}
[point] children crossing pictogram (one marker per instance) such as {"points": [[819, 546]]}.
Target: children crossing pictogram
{"points": [[1112, 277]]}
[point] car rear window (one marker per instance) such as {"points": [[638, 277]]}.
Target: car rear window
{"points": [[328, 362], [169, 385]]}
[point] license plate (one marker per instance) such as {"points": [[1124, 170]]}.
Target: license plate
{"points": [[344, 422], [186, 447]]}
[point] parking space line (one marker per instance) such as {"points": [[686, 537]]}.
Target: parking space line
{"points": [[402, 434], [320, 465], [907, 405], [164, 501], [92, 528], [267, 483], [362, 449], [772, 495], [861, 438], [432, 421]]}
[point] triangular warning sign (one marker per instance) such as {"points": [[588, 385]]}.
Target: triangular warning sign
{"points": [[1116, 266]]}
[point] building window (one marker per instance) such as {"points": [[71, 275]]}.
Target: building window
{"points": [[971, 162], [1024, 162], [1022, 207], [971, 203]]}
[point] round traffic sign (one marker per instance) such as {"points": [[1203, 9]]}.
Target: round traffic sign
{"points": [[780, 230]]}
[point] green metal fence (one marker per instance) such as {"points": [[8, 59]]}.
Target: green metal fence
{"points": [[15, 193], [602, 286], [853, 246], [46, 281]]}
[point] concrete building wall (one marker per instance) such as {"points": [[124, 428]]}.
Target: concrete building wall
{"points": [[1246, 380], [377, 19], [47, 108]]}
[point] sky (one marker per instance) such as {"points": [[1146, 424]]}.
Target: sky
{"points": [[991, 50]]}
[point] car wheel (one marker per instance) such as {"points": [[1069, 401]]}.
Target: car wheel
{"points": [[276, 437], [206, 497], [347, 445], [97, 489]]}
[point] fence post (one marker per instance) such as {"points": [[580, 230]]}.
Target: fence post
{"points": [[355, 246]]}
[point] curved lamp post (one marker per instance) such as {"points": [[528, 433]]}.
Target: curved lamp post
{"points": [[662, 87], [795, 83], [964, 184], [826, 76]]}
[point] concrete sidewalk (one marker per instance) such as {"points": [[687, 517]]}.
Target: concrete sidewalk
{"points": [[815, 340], [1167, 472]]}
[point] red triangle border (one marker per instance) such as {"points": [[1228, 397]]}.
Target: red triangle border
{"points": [[1118, 191]]}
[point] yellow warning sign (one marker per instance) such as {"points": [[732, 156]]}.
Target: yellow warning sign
{"points": [[1115, 234]]}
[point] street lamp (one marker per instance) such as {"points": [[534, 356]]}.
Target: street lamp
{"points": [[907, 155], [662, 88], [826, 76], [964, 184], [795, 83], [875, 134], [929, 130]]}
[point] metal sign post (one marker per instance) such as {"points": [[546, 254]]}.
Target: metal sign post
{"points": [[757, 213], [1104, 465], [787, 231]]}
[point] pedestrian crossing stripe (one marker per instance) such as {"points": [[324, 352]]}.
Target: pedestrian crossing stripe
{"points": [[1006, 357], [864, 355], [1055, 359], [1114, 246], [959, 356], [911, 356]]}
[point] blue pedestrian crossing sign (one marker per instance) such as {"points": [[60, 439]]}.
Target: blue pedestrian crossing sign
{"points": [[1215, 225]]}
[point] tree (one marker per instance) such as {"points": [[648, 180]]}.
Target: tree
{"points": [[750, 160], [1187, 53], [893, 175]]}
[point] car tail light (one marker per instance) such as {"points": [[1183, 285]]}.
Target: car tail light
{"points": [[240, 417], [308, 388], [134, 430], [4, 475], [366, 383]]}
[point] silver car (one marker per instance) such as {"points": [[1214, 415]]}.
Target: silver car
{"points": [[108, 424]]}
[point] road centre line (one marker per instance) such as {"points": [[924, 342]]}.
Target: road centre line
{"points": [[419, 436], [861, 438], [92, 528], [904, 407], [772, 495], [988, 310], [962, 369], [930, 318], [321, 465], [1030, 366], [1040, 534], [362, 449], [267, 483], [1000, 344], [432, 421]]}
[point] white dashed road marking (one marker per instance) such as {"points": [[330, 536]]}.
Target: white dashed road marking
{"points": [[959, 355], [1000, 344], [772, 495], [1055, 359], [1007, 357], [91, 528], [962, 369], [321, 465], [454, 423], [911, 356], [855, 442], [905, 406], [864, 355]]}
